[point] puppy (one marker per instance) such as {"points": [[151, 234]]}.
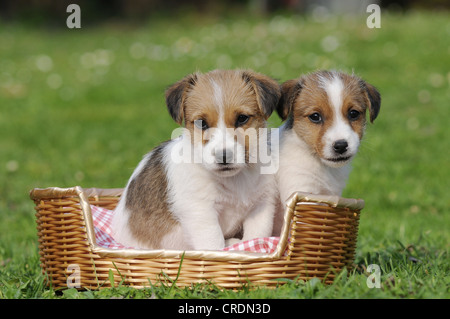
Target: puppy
{"points": [[325, 114], [204, 187]]}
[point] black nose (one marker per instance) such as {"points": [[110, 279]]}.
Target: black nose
{"points": [[224, 156], [340, 146]]}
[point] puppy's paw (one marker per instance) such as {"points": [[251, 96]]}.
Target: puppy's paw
{"points": [[232, 241]]}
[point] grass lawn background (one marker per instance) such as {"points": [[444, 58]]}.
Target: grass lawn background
{"points": [[81, 107]]}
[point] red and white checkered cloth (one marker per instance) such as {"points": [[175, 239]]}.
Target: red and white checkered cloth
{"points": [[102, 225], [258, 245], [103, 234]]}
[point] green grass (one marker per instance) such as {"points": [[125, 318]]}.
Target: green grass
{"points": [[81, 107]]}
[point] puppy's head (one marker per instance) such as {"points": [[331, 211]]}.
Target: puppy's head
{"points": [[327, 110], [223, 111]]}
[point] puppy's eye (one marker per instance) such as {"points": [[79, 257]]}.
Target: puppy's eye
{"points": [[315, 118], [241, 120], [201, 124], [353, 115]]}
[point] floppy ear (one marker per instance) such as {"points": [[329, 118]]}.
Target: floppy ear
{"points": [[267, 91], [176, 94], [289, 92], [374, 98]]}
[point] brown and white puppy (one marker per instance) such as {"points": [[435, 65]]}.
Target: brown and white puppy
{"points": [[326, 119], [204, 187]]}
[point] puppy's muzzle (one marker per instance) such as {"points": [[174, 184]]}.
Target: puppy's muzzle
{"points": [[224, 156], [340, 146]]}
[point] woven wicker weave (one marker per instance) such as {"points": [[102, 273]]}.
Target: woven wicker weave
{"points": [[318, 240]]}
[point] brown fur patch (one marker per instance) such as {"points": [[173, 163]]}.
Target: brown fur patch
{"points": [[354, 98], [312, 99], [150, 218], [289, 92]]}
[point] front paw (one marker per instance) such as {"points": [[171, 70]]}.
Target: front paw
{"points": [[232, 241]]}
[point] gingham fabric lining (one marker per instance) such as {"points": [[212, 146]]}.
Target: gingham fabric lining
{"points": [[103, 233]]}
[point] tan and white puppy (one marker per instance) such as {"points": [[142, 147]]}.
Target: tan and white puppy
{"points": [[325, 114], [196, 191]]}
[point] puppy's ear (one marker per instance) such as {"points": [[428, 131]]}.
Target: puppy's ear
{"points": [[289, 92], [175, 96], [374, 98], [267, 91]]}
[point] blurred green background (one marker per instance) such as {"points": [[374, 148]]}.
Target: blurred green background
{"points": [[82, 106]]}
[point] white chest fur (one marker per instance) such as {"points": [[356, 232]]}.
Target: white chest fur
{"points": [[301, 170]]}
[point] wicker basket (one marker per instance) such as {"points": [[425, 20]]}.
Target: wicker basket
{"points": [[318, 240]]}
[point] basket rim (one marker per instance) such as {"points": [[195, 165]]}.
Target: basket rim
{"points": [[210, 255]]}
